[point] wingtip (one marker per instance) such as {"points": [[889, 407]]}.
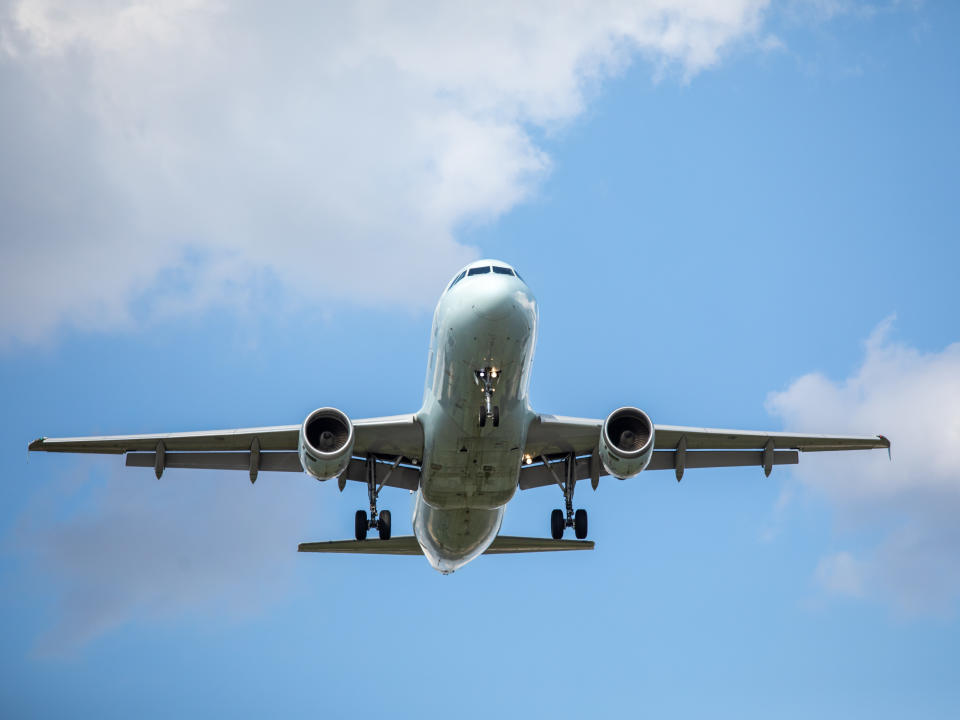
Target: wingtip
{"points": [[887, 445], [36, 444]]}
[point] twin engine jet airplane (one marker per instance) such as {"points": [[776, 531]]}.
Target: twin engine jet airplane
{"points": [[474, 441]]}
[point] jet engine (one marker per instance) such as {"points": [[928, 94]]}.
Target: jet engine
{"points": [[626, 442], [326, 443]]}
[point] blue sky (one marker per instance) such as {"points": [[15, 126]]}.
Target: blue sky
{"points": [[755, 228]]}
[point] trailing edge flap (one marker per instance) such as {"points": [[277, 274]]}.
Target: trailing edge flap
{"points": [[408, 545]]}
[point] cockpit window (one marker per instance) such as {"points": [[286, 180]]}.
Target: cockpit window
{"points": [[502, 270], [479, 270], [457, 279]]}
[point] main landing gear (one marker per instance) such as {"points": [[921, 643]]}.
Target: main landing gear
{"points": [[361, 524], [486, 378], [379, 520], [560, 520]]}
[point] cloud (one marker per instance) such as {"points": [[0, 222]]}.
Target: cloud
{"points": [[163, 158], [902, 514], [127, 549], [159, 159], [840, 574]]}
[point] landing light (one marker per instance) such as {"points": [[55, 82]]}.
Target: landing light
{"points": [[493, 373], [527, 459]]}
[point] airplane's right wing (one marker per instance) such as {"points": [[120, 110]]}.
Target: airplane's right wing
{"points": [[677, 448], [259, 449], [697, 438]]}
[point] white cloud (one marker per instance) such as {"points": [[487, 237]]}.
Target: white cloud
{"points": [[840, 574], [168, 157], [908, 508], [330, 149]]}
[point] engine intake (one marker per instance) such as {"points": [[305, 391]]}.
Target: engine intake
{"points": [[626, 442], [326, 443]]}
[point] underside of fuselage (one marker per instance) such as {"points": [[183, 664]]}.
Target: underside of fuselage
{"points": [[475, 413]]}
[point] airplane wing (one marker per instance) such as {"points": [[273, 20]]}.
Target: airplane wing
{"points": [[554, 438], [280, 437], [255, 449]]}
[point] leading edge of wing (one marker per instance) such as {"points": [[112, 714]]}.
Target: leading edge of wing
{"points": [[396, 434], [555, 435], [668, 436], [408, 545], [281, 437]]}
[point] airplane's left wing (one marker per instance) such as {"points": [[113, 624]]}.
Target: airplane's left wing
{"points": [[255, 449], [553, 438]]}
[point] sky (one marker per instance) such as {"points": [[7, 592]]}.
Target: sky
{"points": [[733, 214]]}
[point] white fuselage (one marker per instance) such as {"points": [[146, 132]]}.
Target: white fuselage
{"points": [[469, 473]]}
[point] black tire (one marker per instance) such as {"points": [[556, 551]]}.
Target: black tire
{"points": [[580, 524], [483, 417], [557, 523], [496, 416], [383, 524], [360, 525]]}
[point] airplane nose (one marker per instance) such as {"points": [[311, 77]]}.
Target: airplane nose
{"points": [[494, 306]]}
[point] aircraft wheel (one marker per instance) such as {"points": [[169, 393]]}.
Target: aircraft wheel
{"points": [[383, 524], [580, 524], [496, 416], [483, 417], [557, 523], [360, 524]]}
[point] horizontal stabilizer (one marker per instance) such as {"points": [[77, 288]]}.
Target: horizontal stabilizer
{"points": [[404, 545], [408, 545], [511, 544]]}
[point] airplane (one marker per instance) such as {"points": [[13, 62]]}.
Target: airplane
{"points": [[475, 441]]}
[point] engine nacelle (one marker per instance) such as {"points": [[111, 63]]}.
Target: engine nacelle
{"points": [[626, 442], [326, 443]]}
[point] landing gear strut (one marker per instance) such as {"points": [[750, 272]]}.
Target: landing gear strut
{"points": [[486, 378], [379, 520], [560, 520]]}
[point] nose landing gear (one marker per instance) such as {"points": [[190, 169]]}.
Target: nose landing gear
{"points": [[560, 520], [494, 415], [486, 378]]}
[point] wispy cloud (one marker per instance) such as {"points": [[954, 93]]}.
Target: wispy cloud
{"points": [[128, 549], [331, 150], [905, 510]]}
